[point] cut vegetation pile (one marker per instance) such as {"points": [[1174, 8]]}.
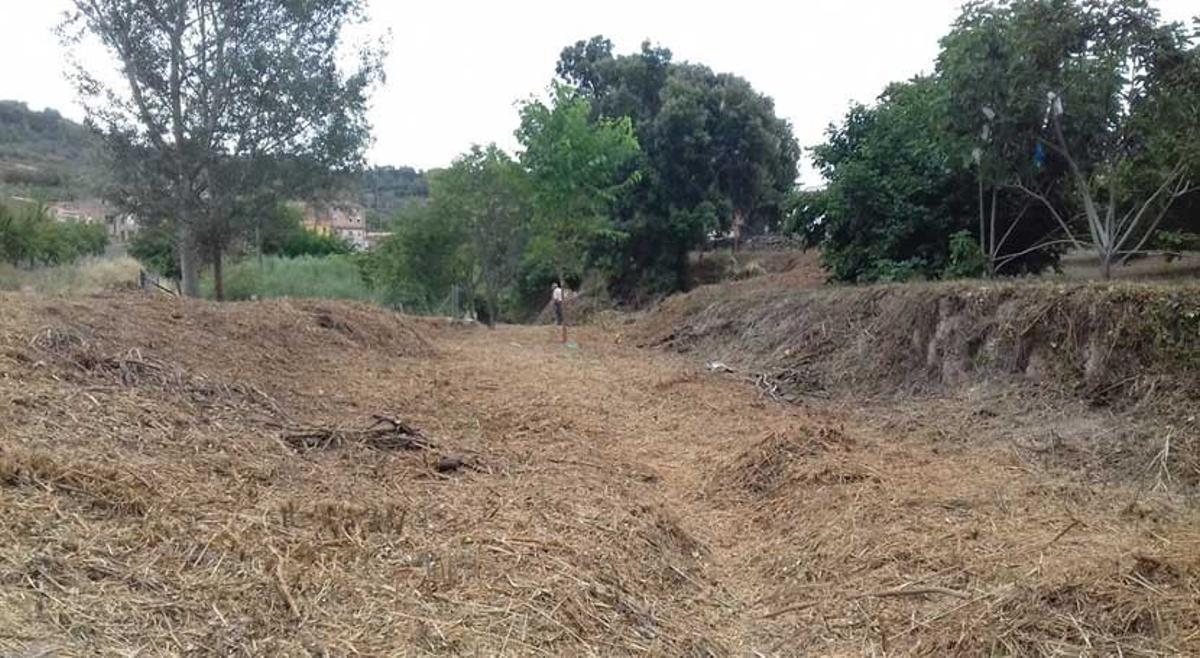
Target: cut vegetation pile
{"points": [[304, 478], [1101, 341], [1111, 372]]}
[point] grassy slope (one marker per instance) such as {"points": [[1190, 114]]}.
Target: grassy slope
{"points": [[45, 156]]}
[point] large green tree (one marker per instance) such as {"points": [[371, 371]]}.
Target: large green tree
{"points": [[418, 268], [1082, 108], [717, 158], [488, 194], [895, 193], [223, 109], [578, 169]]}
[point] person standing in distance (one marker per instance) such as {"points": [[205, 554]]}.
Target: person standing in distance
{"points": [[556, 294]]}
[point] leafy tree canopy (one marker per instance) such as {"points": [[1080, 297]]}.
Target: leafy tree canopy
{"points": [[578, 168], [1047, 124], [224, 109], [716, 156]]}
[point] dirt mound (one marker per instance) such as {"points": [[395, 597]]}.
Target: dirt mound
{"points": [[1095, 377], [1104, 342], [270, 345], [956, 553], [777, 461], [302, 478], [247, 327]]}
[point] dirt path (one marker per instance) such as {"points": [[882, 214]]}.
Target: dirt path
{"points": [[808, 528], [612, 501]]}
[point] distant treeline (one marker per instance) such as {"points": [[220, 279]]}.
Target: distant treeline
{"points": [[48, 157], [385, 191]]}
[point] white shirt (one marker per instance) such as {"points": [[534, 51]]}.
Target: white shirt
{"points": [[558, 294]]}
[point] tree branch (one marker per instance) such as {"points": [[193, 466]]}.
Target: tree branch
{"points": [[1179, 191], [1089, 205], [1008, 258], [1053, 211], [1020, 215]]}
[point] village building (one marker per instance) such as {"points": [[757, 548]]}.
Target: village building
{"points": [[120, 226], [345, 220]]}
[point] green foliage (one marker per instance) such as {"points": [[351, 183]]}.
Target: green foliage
{"points": [[283, 234], [28, 235], [470, 237], [308, 243], [154, 247], [886, 270], [1040, 113], [416, 268], [532, 290], [489, 196], [277, 225], [714, 151], [966, 259], [1103, 87], [894, 195], [578, 168], [321, 277], [805, 214], [384, 191]]}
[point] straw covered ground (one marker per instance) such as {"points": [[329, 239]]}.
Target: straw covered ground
{"points": [[305, 478]]}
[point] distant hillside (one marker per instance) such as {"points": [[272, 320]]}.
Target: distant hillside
{"points": [[46, 156], [383, 191]]}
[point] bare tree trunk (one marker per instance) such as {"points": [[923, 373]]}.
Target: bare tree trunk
{"points": [[189, 264], [984, 249], [493, 307], [739, 219], [218, 275]]}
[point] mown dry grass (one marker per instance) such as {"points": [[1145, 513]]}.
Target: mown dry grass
{"points": [[188, 478]]}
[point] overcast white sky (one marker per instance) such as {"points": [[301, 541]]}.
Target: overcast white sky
{"points": [[457, 67]]}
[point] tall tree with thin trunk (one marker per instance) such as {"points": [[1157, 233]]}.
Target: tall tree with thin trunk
{"points": [[577, 168], [223, 108]]}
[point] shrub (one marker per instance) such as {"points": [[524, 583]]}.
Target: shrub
{"points": [[966, 260], [28, 235]]}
